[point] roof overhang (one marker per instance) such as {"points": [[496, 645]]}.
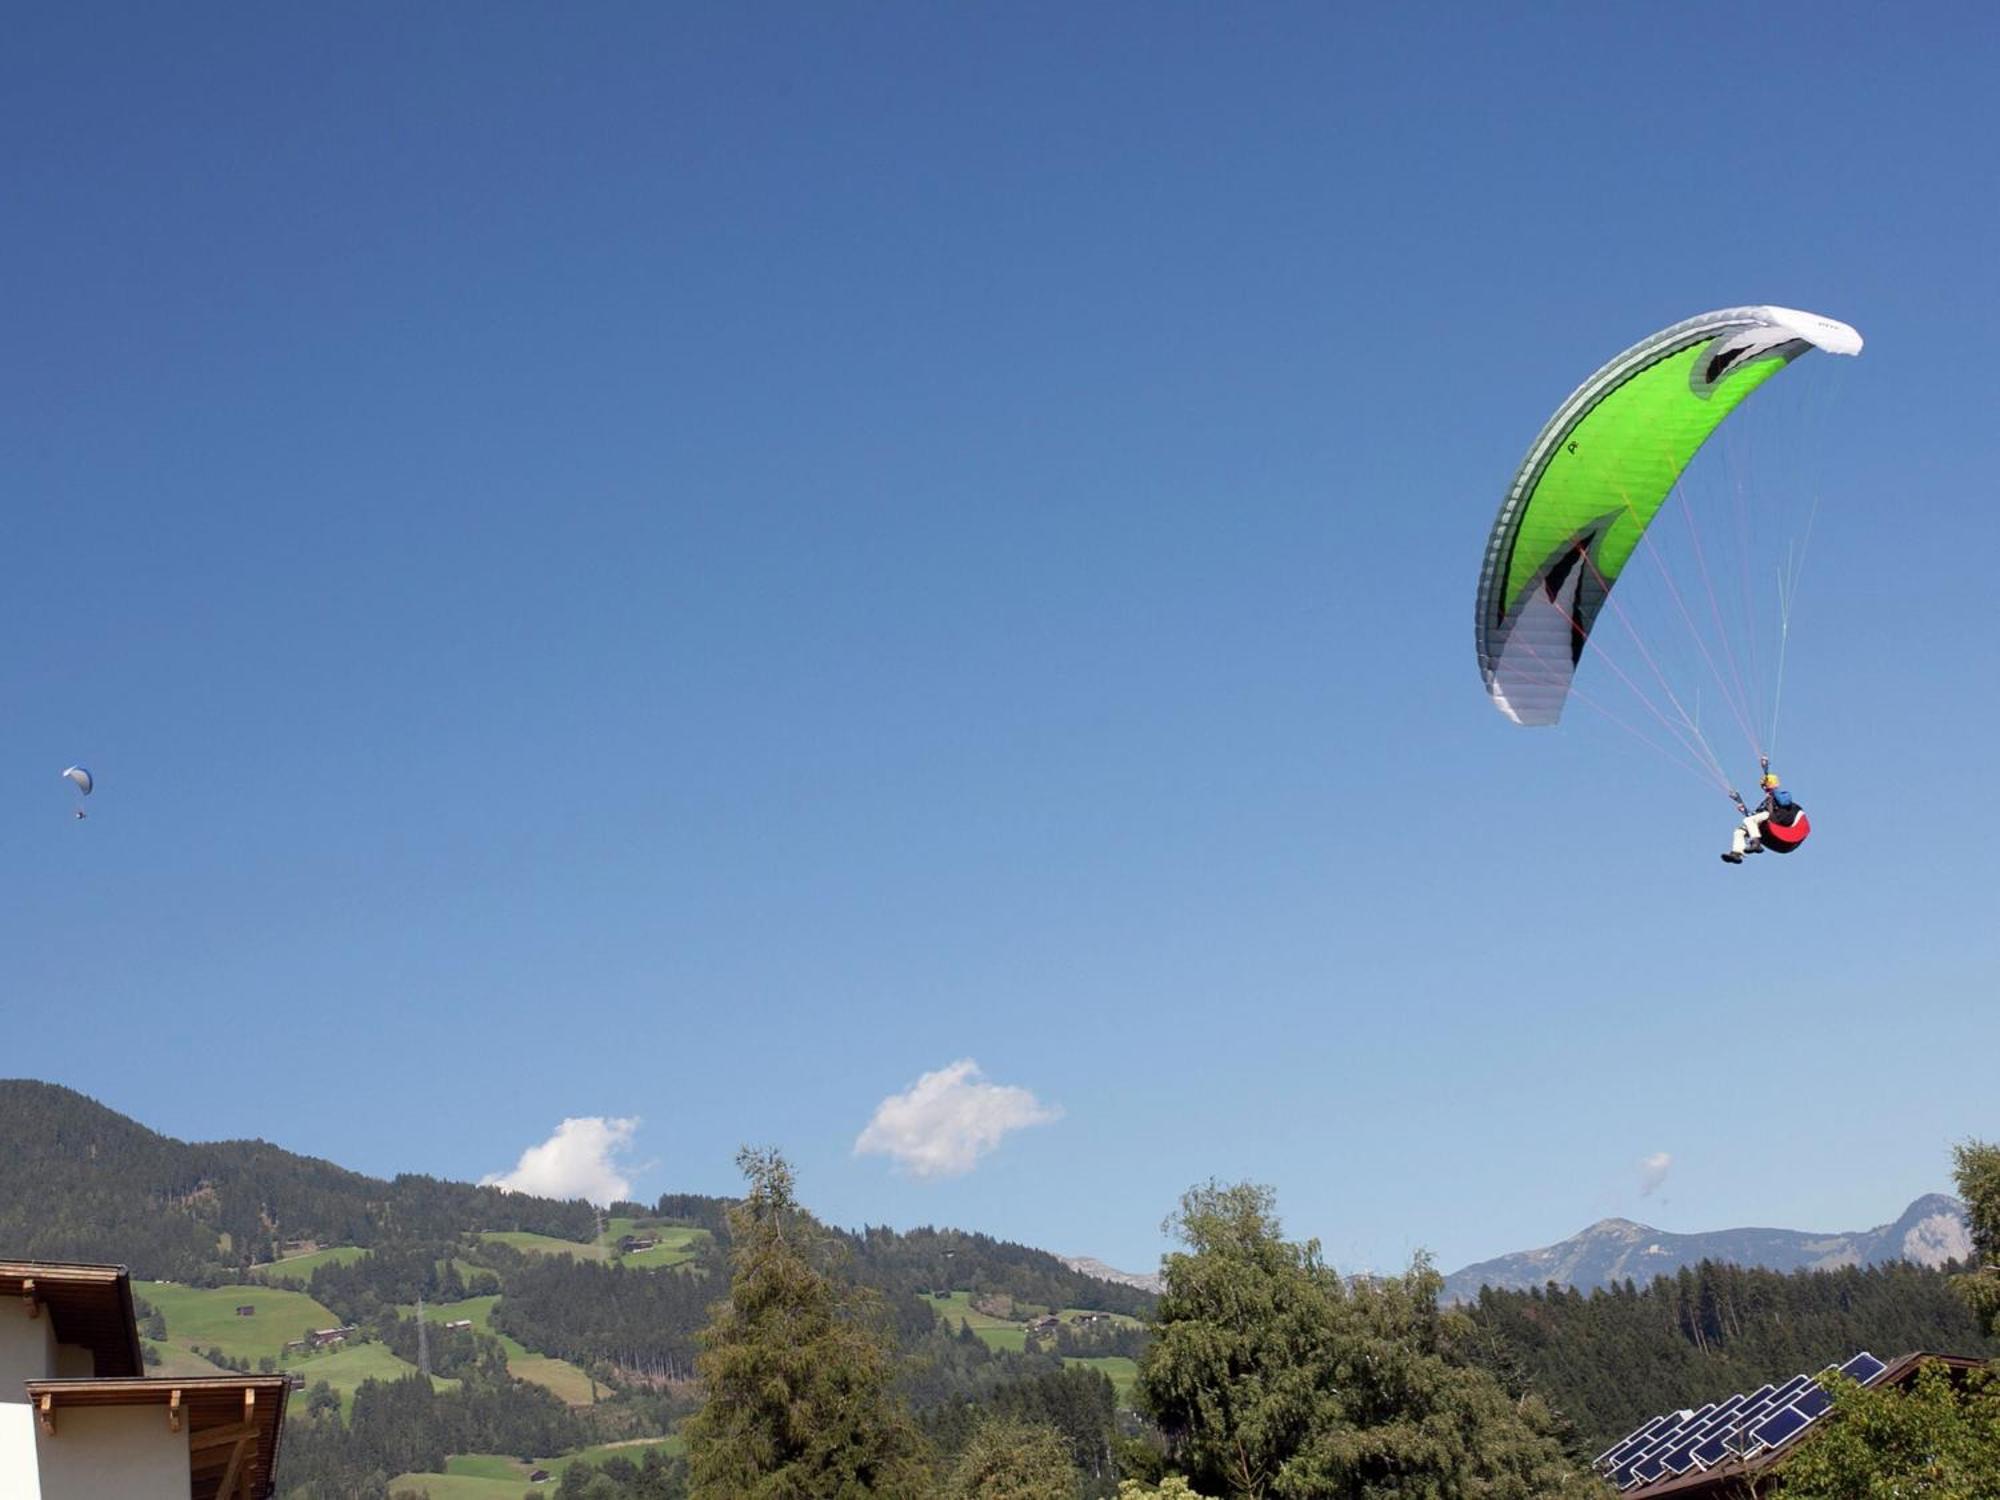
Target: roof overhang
{"points": [[88, 1305], [233, 1423]]}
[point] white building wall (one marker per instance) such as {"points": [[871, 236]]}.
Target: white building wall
{"points": [[104, 1451], [27, 1348], [20, 1468]]}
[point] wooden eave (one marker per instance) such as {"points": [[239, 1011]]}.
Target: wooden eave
{"points": [[233, 1423], [88, 1305]]}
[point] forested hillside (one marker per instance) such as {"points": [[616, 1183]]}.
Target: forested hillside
{"points": [[1607, 1360], [82, 1182]]}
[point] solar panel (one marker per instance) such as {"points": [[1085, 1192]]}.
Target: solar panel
{"points": [[1628, 1455], [1656, 1448], [1791, 1388], [1611, 1458], [1760, 1406], [1713, 1451], [1725, 1412], [1681, 1459], [1636, 1438], [1664, 1437], [1765, 1419], [1813, 1402], [1864, 1367], [1781, 1429]]}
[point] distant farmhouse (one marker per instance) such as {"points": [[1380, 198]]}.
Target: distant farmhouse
{"points": [[79, 1420], [1722, 1450]]}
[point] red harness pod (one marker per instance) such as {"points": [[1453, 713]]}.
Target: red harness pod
{"points": [[1783, 838]]}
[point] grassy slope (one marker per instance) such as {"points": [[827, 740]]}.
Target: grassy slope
{"points": [[632, 1448], [1123, 1372], [463, 1487], [560, 1376], [676, 1247], [175, 1360], [544, 1244], [489, 1466], [299, 1268], [207, 1317], [999, 1333], [499, 1476], [344, 1369]]}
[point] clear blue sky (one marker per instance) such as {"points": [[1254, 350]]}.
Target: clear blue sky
{"points": [[703, 562]]}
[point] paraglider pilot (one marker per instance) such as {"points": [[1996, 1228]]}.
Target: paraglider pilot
{"points": [[1777, 824]]}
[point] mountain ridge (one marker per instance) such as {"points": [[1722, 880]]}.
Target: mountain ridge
{"points": [[1931, 1231]]}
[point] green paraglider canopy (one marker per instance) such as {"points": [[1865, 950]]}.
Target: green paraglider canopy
{"points": [[1596, 476]]}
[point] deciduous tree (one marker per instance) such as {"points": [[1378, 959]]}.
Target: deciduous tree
{"points": [[1934, 1441], [1978, 1172], [1013, 1460], [1274, 1380]]}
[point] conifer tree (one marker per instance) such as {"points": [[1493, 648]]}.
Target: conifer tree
{"points": [[797, 1378]]}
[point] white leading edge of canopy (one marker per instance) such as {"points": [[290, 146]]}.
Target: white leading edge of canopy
{"points": [[1822, 333]]}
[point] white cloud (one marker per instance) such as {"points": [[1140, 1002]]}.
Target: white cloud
{"points": [[579, 1161], [1652, 1172], [944, 1122]]}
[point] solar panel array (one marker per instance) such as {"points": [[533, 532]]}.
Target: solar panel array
{"points": [[1742, 1427]]}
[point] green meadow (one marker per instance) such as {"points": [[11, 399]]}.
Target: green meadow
{"points": [[1123, 1372], [175, 1360], [543, 1244], [462, 1487], [347, 1367], [299, 1268], [489, 1466], [558, 1375], [499, 1476], [635, 1449], [1001, 1333], [676, 1247], [206, 1317]]}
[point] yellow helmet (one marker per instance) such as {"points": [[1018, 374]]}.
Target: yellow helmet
{"points": [[1770, 780]]}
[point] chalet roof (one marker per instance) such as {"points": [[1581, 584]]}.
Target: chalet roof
{"points": [[233, 1423], [89, 1305]]}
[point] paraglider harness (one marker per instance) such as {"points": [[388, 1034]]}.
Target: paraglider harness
{"points": [[1786, 826]]}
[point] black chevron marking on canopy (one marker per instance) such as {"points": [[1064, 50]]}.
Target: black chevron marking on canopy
{"points": [[1721, 361], [1558, 576]]}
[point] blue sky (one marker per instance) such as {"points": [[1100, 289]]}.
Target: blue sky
{"points": [[704, 563]]}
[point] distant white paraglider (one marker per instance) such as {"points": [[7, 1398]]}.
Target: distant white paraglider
{"points": [[81, 778]]}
